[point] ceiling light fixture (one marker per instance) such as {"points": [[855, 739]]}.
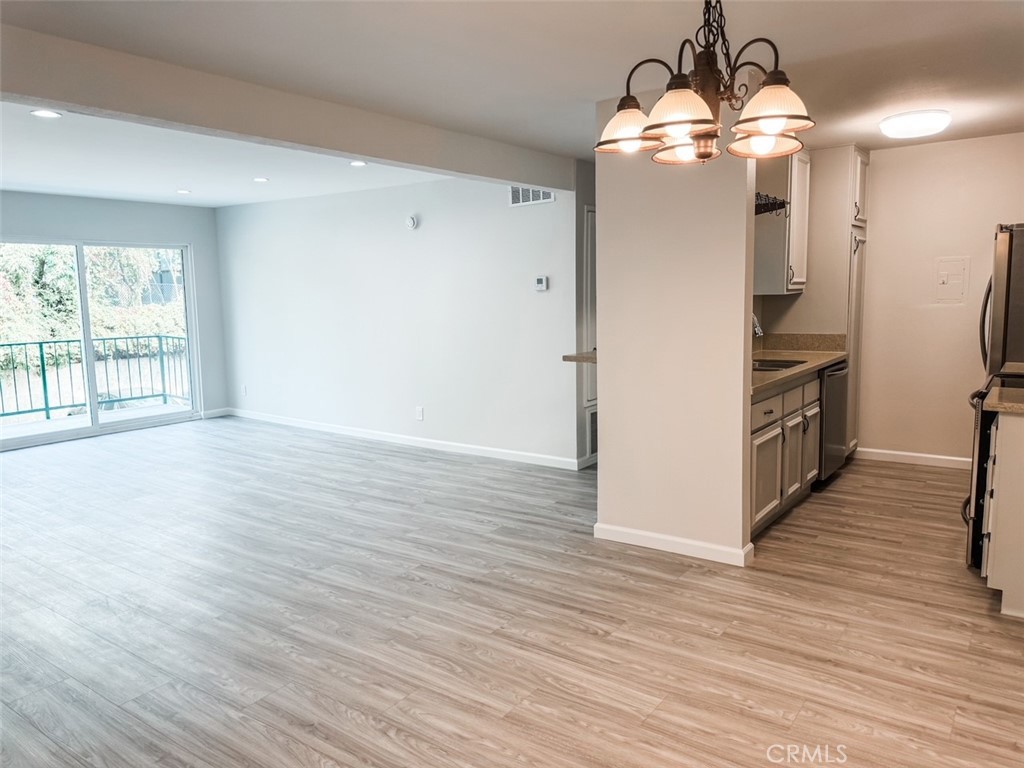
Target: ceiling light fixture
{"points": [[684, 126], [46, 114], [911, 125], [184, 191], [358, 163], [261, 179]]}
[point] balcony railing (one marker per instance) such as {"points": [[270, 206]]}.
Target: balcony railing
{"points": [[48, 377]]}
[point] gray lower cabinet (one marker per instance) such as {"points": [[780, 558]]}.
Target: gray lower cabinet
{"points": [[765, 468], [785, 449]]}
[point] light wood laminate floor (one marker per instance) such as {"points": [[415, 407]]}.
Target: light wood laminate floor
{"points": [[228, 593]]}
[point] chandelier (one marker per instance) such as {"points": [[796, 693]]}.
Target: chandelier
{"points": [[684, 127]]}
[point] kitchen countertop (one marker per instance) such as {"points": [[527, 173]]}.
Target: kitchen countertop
{"points": [[767, 381], [1005, 400], [581, 357]]}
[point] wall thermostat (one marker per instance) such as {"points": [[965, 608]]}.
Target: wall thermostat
{"points": [[411, 222], [540, 282]]}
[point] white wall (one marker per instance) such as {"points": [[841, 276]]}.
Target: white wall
{"points": [[338, 315], [674, 265], [56, 218], [920, 358]]}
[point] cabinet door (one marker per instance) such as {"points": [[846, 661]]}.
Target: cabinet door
{"points": [[858, 252], [799, 209], [812, 443], [765, 472], [792, 459], [860, 190]]}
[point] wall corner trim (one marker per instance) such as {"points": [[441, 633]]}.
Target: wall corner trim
{"points": [[543, 460], [690, 547], [906, 457]]}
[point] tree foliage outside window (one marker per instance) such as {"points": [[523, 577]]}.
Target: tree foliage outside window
{"points": [[132, 292]]}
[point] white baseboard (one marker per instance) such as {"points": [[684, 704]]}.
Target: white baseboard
{"points": [[906, 457], [589, 461], [680, 546], [217, 413], [539, 459]]}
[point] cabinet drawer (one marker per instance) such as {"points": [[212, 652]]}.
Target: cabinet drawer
{"points": [[812, 391], [765, 412], [792, 400]]}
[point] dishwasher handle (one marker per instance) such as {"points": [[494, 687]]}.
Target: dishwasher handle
{"points": [[831, 372]]}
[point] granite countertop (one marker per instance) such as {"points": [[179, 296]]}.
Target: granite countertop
{"points": [[1005, 400], [581, 357], [766, 381]]}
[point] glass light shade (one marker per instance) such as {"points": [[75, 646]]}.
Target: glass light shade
{"points": [[679, 113], [773, 110], [910, 125], [624, 133], [759, 146], [682, 152]]}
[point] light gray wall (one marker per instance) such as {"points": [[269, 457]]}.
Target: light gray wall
{"points": [[921, 358], [57, 218], [674, 265], [339, 315]]}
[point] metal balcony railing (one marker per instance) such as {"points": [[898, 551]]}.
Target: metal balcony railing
{"points": [[49, 378]]}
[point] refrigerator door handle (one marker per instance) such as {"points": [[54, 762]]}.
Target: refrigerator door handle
{"points": [[986, 303]]}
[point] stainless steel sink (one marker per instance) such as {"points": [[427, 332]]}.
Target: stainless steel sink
{"points": [[776, 365]]}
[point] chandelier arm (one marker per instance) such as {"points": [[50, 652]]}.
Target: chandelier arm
{"points": [[629, 77], [732, 67], [693, 54]]}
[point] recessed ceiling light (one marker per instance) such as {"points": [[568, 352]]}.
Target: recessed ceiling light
{"points": [[261, 179], [184, 191], [357, 163], [911, 125], [48, 114]]}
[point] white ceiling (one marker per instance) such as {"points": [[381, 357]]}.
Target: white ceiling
{"points": [[529, 73], [99, 157]]}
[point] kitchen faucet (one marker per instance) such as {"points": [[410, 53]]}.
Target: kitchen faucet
{"points": [[757, 325]]}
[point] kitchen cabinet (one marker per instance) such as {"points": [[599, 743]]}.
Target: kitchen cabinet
{"points": [[859, 209], [780, 228], [792, 455], [811, 443], [785, 444], [854, 323], [765, 471], [1004, 514]]}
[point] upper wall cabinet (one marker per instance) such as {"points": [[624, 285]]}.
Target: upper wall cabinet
{"points": [[860, 189], [781, 215]]}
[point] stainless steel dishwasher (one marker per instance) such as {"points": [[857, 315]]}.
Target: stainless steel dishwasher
{"points": [[834, 393]]}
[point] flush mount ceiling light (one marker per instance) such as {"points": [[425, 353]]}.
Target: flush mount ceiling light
{"points": [[684, 126], [261, 179], [184, 191], [911, 125], [358, 163], [46, 114]]}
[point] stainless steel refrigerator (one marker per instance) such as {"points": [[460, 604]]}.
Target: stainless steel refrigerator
{"points": [[1001, 334]]}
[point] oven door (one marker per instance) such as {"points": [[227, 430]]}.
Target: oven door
{"points": [[974, 505]]}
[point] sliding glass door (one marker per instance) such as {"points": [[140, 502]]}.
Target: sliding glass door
{"points": [[136, 300], [43, 382], [91, 335]]}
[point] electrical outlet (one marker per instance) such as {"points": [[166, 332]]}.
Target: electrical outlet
{"points": [[419, 413]]}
